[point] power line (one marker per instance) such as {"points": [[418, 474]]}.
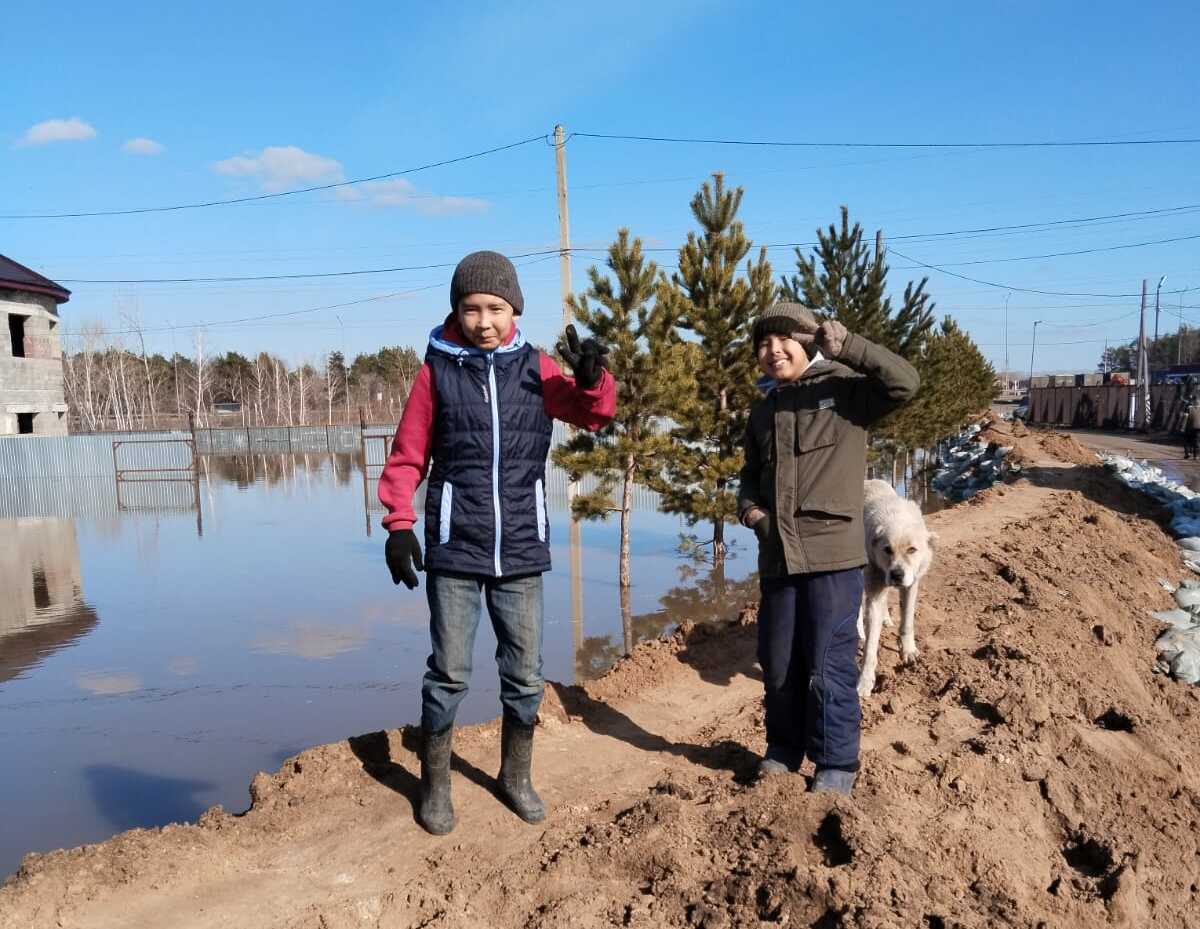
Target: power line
{"points": [[1027, 290], [281, 277], [979, 145], [292, 313], [274, 196], [428, 267], [1102, 322], [1082, 251], [1078, 222], [1053, 222]]}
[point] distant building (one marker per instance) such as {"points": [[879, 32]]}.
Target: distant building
{"points": [[32, 400]]}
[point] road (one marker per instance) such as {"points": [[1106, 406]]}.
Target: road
{"points": [[1161, 449]]}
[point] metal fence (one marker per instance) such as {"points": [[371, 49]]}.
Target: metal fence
{"points": [[1112, 406], [33, 468], [41, 456]]}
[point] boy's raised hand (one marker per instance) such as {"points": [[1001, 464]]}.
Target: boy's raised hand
{"points": [[586, 359], [829, 338]]}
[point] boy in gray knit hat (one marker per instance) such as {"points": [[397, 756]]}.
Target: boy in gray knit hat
{"points": [[802, 494], [477, 423]]}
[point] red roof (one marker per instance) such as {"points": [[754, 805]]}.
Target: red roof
{"points": [[14, 276]]}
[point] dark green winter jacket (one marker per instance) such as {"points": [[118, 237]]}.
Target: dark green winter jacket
{"points": [[806, 448]]}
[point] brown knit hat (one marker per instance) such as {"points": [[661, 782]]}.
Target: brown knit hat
{"points": [[784, 319], [486, 273]]}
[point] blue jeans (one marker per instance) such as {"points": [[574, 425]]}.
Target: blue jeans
{"points": [[515, 607], [808, 650]]}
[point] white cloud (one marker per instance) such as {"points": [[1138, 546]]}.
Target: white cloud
{"points": [[58, 130], [142, 146], [401, 193], [284, 167], [280, 167]]}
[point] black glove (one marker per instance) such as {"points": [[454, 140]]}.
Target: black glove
{"points": [[586, 360], [402, 552], [762, 528]]}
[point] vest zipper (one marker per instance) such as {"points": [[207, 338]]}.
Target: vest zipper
{"points": [[495, 405]]}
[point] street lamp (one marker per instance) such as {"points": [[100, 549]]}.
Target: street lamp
{"points": [[1032, 351], [1157, 291]]}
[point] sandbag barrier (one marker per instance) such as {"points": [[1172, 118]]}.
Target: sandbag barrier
{"points": [[969, 465], [1179, 646]]}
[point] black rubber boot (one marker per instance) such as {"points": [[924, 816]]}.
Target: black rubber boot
{"points": [[516, 753], [435, 811]]}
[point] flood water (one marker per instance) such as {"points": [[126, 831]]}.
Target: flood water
{"points": [[153, 656]]}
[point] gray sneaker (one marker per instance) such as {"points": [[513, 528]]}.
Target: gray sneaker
{"points": [[833, 780]]}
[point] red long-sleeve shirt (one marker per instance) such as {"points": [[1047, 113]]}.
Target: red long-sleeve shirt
{"points": [[408, 463]]}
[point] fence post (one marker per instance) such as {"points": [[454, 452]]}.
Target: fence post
{"points": [[192, 427], [328, 445]]}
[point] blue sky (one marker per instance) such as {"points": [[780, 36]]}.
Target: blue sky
{"points": [[236, 100]]}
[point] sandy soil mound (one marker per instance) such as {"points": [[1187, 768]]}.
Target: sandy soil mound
{"points": [[1032, 443], [1030, 771]]}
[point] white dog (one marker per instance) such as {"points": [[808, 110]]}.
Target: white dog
{"points": [[899, 552]]}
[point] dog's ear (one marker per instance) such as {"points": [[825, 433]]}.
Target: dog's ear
{"points": [[877, 534]]}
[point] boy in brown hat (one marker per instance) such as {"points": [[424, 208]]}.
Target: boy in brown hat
{"points": [[802, 494]]}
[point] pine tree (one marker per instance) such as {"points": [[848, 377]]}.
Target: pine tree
{"points": [[957, 382], [845, 280], [644, 356], [1164, 351], [711, 399]]}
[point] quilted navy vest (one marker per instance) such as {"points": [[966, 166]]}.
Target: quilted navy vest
{"points": [[485, 502]]}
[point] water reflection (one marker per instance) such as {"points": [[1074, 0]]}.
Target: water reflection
{"points": [[42, 608], [702, 595], [278, 628], [128, 799]]}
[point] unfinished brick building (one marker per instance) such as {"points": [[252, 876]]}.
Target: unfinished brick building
{"points": [[32, 401]]}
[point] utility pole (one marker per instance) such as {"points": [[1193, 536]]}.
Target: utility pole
{"points": [[564, 222], [1143, 365], [564, 246], [1007, 386], [1179, 334], [1157, 291]]}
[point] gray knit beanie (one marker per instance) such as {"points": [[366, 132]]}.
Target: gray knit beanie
{"points": [[784, 319], [486, 273]]}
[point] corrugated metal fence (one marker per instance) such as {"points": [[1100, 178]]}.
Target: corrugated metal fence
{"points": [[45, 475], [1112, 406]]}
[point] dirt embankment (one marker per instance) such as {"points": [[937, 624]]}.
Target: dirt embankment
{"points": [[1031, 444], [1029, 771]]}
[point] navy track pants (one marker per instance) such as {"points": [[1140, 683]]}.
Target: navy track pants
{"points": [[808, 651]]}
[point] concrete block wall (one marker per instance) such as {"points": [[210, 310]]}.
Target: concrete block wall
{"points": [[33, 384]]}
